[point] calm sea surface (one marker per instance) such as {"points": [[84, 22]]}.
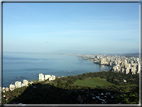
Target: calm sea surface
{"points": [[19, 66]]}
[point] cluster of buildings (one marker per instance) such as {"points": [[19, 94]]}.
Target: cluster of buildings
{"points": [[117, 63], [18, 84], [42, 78]]}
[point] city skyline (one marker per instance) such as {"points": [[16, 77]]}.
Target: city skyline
{"points": [[71, 27]]}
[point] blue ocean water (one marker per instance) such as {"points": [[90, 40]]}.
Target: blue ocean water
{"points": [[19, 66]]}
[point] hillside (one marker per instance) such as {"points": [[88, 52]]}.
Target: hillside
{"points": [[89, 88]]}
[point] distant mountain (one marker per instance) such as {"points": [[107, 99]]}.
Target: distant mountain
{"points": [[131, 54]]}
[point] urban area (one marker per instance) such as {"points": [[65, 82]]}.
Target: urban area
{"points": [[117, 63]]}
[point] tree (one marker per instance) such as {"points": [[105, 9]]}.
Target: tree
{"points": [[81, 78]]}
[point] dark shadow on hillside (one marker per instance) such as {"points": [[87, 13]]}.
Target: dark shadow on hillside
{"points": [[47, 94]]}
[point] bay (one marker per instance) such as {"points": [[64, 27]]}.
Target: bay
{"points": [[19, 66]]}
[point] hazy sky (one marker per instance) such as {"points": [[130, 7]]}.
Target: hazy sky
{"points": [[71, 27]]}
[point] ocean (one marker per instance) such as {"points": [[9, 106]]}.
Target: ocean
{"points": [[19, 66]]}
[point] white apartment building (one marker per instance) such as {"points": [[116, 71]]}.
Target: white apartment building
{"points": [[6, 89], [11, 87], [53, 77], [17, 84], [127, 65], [25, 82], [22, 85], [50, 78], [47, 77], [127, 70], [41, 77], [103, 61]]}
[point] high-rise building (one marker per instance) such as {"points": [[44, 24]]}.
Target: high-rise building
{"points": [[47, 77], [11, 87], [17, 84], [25, 82], [41, 77], [103, 61], [53, 77]]}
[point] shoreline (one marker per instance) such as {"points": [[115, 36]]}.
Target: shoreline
{"points": [[96, 62], [33, 80]]}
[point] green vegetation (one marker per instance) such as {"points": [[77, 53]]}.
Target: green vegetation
{"points": [[93, 82], [66, 90], [97, 81]]}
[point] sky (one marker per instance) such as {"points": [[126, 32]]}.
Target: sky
{"points": [[92, 28]]}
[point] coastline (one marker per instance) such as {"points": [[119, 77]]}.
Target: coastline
{"points": [[91, 59], [57, 76], [122, 64], [19, 68]]}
